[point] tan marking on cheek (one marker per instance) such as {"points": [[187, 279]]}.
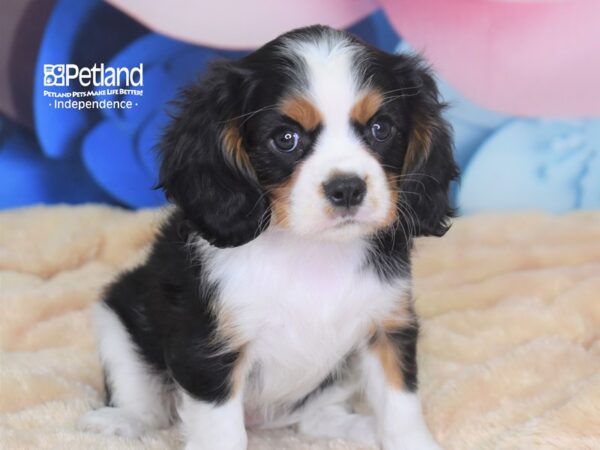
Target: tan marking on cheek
{"points": [[366, 107], [280, 205], [235, 151], [392, 215], [281, 200], [302, 111]]}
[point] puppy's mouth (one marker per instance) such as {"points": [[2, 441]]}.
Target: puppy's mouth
{"points": [[346, 221], [356, 219], [344, 215]]}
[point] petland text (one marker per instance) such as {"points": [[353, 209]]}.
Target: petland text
{"points": [[96, 76]]}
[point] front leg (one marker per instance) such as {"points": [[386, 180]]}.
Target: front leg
{"points": [[213, 426], [389, 369], [210, 383]]}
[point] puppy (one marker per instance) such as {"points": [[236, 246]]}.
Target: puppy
{"points": [[280, 285]]}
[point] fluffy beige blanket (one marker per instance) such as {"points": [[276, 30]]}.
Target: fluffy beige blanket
{"points": [[509, 356]]}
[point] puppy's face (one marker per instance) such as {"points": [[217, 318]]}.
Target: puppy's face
{"points": [[316, 133], [332, 137]]}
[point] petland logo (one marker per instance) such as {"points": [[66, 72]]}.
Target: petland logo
{"points": [[69, 86], [97, 76]]}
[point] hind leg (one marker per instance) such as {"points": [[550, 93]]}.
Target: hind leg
{"points": [[139, 400]]}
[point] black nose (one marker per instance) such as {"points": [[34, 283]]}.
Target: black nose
{"points": [[345, 190]]}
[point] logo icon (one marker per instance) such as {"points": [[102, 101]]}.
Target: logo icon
{"points": [[54, 74]]}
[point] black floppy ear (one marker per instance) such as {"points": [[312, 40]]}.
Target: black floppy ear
{"points": [[205, 169], [429, 165]]}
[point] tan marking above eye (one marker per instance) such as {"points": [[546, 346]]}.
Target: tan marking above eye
{"points": [[366, 107], [302, 111]]}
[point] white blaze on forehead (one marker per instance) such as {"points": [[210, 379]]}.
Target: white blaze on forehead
{"points": [[330, 70]]}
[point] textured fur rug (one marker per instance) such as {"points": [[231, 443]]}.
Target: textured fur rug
{"points": [[509, 356]]}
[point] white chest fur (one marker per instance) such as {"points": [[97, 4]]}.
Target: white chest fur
{"points": [[300, 305]]}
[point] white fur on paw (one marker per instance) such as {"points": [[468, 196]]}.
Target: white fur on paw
{"points": [[112, 421]]}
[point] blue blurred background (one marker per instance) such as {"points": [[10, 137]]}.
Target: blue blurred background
{"points": [[50, 155]]}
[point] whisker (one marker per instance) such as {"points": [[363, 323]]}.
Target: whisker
{"points": [[387, 100], [413, 216], [414, 174], [404, 88], [263, 194], [249, 115], [400, 191], [426, 175]]}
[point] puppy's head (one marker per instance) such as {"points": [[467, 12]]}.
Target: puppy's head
{"points": [[316, 133]]}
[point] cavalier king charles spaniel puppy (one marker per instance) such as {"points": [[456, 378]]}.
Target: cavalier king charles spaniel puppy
{"points": [[279, 287]]}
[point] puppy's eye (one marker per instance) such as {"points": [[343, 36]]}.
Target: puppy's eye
{"points": [[382, 130], [285, 140]]}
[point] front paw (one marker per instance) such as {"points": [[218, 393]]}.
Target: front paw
{"points": [[115, 421], [421, 440]]}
